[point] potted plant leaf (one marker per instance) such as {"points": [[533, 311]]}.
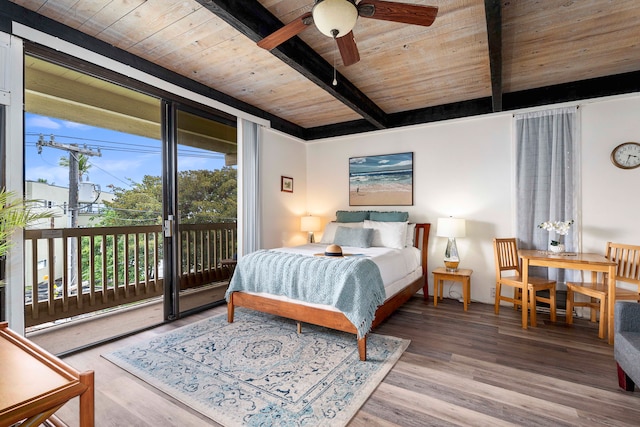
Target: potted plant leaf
{"points": [[15, 213]]}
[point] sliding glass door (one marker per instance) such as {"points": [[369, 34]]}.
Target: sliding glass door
{"points": [[206, 195], [143, 192], [93, 159]]}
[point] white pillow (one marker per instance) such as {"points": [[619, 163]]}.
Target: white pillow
{"points": [[329, 233], [411, 233], [388, 234]]}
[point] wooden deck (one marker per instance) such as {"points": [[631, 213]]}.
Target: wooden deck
{"points": [[66, 337], [462, 368]]}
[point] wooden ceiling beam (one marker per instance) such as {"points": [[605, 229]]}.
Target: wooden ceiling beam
{"points": [[598, 87], [493, 14], [618, 84], [256, 22], [437, 113]]}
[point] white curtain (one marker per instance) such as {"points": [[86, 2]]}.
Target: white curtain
{"points": [[249, 227], [547, 177]]}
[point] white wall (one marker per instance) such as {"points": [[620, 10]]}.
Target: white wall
{"points": [[282, 155], [463, 168], [610, 196]]}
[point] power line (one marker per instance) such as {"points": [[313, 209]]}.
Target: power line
{"points": [[183, 152], [109, 173], [131, 147], [113, 146]]}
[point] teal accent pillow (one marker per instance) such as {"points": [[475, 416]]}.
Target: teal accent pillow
{"points": [[389, 216], [351, 216], [358, 237]]}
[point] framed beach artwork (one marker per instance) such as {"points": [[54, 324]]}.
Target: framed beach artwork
{"points": [[385, 180]]}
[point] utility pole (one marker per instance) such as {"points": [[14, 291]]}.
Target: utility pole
{"points": [[74, 150], [73, 207]]}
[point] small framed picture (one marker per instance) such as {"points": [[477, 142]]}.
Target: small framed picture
{"points": [[286, 184]]}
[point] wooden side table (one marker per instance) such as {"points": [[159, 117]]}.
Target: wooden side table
{"points": [[463, 276], [34, 384]]}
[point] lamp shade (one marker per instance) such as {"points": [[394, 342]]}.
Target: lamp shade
{"points": [[451, 227], [310, 223], [335, 18]]}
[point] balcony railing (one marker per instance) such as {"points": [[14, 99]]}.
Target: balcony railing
{"points": [[82, 270]]}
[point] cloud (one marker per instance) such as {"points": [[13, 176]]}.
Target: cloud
{"points": [[43, 122], [404, 163], [197, 163], [130, 165], [74, 125], [357, 160], [53, 175], [382, 162], [105, 169], [49, 123], [395, 165]]}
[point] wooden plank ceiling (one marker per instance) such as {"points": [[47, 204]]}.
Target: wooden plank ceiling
{"points": [[478, 56]]}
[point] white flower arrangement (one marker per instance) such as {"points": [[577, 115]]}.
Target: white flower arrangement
{"points": [[559, 227]]}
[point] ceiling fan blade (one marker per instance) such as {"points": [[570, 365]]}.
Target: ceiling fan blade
{"points": [[415, 14], [280, 36], [348, 49]]}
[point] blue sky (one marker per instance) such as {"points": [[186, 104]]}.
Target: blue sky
{"points": [[386, 162], [123, 155]]}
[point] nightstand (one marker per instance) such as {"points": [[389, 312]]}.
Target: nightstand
{"points": [[463, 275]]}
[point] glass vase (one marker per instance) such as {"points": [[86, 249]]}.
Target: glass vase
{"points": [[556, 245]]}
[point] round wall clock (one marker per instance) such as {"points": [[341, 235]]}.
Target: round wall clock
{"points": [[626, 155]]}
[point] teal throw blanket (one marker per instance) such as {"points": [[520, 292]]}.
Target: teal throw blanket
{"points": [[353, 284]]}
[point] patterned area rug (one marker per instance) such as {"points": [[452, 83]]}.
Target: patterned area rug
{"points": [[257, 371]]}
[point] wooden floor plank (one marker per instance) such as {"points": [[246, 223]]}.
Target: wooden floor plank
{"points": [[433, 407], [472, 393], [461, 368]]}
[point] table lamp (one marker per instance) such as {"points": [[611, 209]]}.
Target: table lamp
{"points": [[310, 224], [451, 228]]}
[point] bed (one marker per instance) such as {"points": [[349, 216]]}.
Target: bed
{"points": [[399, 283]]}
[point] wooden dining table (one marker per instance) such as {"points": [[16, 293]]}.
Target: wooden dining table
{"points": [[595, 263]]}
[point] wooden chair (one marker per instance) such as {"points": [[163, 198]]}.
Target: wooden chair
{"points": [[506, 258], [627, 258]]}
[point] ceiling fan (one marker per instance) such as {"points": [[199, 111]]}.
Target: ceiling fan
{"points": [[336, 19]]}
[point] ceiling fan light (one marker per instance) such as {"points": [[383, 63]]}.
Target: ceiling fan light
{"points": [[335, 15]]}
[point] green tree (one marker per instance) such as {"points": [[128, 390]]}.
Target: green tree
{"points": [[108, 243], [208, 196], [204, 196], [140, 205], [83, 164], [137, 206]]}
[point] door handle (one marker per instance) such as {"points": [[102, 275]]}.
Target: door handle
{"points": [[168, 226]]}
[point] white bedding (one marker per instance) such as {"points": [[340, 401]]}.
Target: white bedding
{"points": [[398, 267]]}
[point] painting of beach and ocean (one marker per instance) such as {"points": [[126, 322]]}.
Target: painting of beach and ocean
{"points": [[385, 180]]}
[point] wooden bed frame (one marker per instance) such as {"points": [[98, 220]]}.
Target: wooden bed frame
{"points": [[335, 319]]}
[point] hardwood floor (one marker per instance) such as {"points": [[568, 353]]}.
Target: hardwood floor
{"points": [[462, 368]]}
